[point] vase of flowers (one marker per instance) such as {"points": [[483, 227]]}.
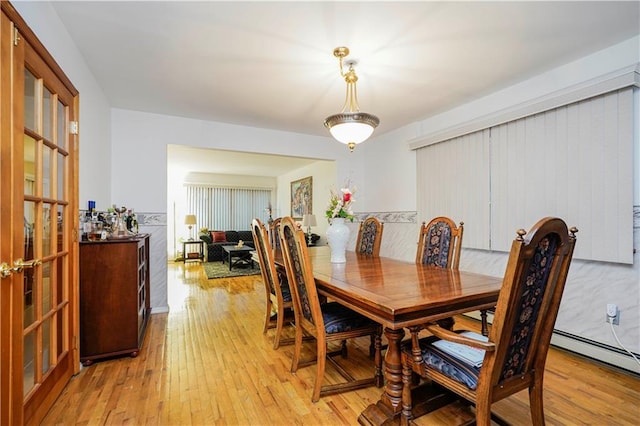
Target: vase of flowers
{"points": [[339, 210]]}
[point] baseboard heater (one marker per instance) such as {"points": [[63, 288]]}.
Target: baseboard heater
{"points": [[585, 347]]}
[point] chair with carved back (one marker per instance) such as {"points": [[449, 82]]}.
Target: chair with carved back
{"points": [[274, 239], [278, 294], [512, 358], [369, 237], [328, 322], [439, 245]]}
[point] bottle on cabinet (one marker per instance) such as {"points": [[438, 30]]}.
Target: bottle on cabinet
{"points": [[132, 222]]}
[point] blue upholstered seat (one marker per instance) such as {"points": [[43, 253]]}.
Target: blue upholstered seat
{"points": [[338, 318], [448, 364]]}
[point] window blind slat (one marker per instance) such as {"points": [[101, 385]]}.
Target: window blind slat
{"points": [[574, 162], [453, 183], [226, 208]]}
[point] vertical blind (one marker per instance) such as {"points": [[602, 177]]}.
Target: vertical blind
{"points": [[223, 209], [453, 181], [574, 162]]}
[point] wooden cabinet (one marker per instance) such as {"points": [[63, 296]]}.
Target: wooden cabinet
{"points": [[114, 297]]}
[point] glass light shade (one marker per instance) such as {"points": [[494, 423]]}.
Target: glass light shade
{"points": [[309, 220], [351, 127]]}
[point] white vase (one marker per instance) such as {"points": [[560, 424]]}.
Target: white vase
{"points": [[338, 237]]}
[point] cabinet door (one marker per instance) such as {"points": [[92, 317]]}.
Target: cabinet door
{"points": [[142, 291], [108, 293]]}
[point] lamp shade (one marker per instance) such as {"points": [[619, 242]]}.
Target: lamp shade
{"points": [[309, 220], [351, 127], [190, 219]]}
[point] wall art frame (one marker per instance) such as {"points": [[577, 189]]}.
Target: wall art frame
{"points": [[301, 197]]}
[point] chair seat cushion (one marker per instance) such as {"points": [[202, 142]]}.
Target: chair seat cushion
{"points": [[450, 365], [339, 318]]}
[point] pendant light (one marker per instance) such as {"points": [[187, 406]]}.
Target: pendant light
{"points": [[350, 126]]}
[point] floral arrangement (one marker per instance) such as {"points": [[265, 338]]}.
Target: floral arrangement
{"points": [[340, 204]]}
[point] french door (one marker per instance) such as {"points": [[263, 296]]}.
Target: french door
{"points": [[38, 216]]}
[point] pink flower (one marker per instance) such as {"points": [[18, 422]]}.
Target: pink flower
{"points": [[340, 204]]}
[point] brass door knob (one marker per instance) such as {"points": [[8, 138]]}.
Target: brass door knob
{"points": [[5, 270], [20, 264]]}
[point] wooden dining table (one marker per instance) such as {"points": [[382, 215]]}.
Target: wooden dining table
{"points": [[397, 295]]}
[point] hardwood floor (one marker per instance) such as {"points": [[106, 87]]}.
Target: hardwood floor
{"points": [[207, 362]]}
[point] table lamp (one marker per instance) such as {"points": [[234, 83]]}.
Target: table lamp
{"points": [[309, 220], [190, 220]]}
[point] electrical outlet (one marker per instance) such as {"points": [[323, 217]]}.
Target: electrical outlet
{"points": [[613, 313]]}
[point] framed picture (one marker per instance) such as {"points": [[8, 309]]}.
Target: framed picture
{"points": [[301, 197]]}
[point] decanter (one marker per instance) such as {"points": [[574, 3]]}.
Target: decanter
{"points": [[120, 228]]}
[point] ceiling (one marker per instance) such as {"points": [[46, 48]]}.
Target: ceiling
{"points": [[270, 64]]}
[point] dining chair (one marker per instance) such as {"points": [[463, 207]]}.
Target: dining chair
{"points": [[483, 370], [278, 294], [439, 245], [328, 322], [369, 237], [274, 239]]}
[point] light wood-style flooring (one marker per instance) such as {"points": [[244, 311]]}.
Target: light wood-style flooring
{"points": [[207, 362]]}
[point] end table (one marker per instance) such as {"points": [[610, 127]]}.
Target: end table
{"points": [[193, 255]]}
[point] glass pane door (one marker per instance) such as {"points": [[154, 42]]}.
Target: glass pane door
{"points": [[46, 253]]}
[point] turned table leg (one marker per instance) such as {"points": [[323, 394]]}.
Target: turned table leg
{"points": [[390, 404]]}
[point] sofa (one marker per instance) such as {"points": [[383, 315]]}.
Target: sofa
{"points": [[216, 239]]}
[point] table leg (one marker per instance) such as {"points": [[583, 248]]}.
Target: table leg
{"points": [[390, 404]]}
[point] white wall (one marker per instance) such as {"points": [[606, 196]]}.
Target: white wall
{"points": [[95, 125], [139, 178], [324, 178], [144, 137], [591, 67]]}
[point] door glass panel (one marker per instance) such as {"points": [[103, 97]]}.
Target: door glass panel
{"points": [[60, 333], [47, 153], [29, 166], [46, 345], [28, 274], [46, 229], [29, 362], [61, 140], [60, 229], [47, 117], [29, 100], [47, 169], [29, 229], [46, 287], [61, 181], [60, 280]]}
